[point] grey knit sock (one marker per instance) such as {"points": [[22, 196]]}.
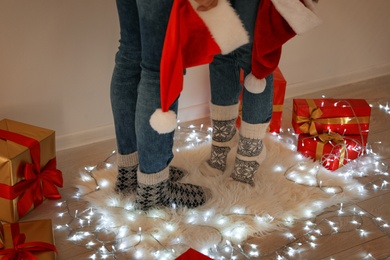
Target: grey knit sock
{"points": [[126, 181], [156, 190], [224, 138], [250, 152]]}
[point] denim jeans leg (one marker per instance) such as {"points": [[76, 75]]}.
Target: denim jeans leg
{"points": [[225, 69], [224, 73], [126, 77], [154, 149]]}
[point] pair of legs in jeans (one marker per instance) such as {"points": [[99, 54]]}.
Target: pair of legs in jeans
{"points": [[144, 156], [256, 108]]}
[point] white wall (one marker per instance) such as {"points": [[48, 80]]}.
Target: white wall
{"points": [[56, 60]]}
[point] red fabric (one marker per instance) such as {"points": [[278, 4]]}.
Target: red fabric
{"points": [[23, 250], [271, 32], [192, 254], [37, 184], [187, 43]]}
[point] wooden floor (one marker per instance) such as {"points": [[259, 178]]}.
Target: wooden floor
{"points": [[367, 238]]}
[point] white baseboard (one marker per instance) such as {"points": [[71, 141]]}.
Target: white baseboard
{"points": [[303, 88], [86, 137], [99, 134], [200, 111]]}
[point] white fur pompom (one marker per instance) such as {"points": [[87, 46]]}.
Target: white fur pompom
{"points": [[163, 122], [254, 85]]}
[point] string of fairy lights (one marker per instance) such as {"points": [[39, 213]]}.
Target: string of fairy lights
{"points": [[92, 229]]}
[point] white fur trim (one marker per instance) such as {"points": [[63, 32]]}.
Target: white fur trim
{"points": [[163, 122], [299, 17], [224, 25], [253, 84]]}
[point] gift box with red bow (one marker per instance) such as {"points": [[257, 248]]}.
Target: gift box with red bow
{"points": [[277, 103], [332, 149], [28, 240], [28, 172], [342, 116]]}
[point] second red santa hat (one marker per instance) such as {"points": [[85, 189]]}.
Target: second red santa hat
{"points": [[192, 39], [277, 22]]}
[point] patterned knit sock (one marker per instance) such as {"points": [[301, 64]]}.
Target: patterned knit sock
{"points": [[250, 152], [126, 181], [224, 138], [156, 190]]}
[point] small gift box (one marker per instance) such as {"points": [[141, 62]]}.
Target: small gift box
{"points": [[28, 240], [28, 171], [192, 254], [332, 149], [278, 101], [343, 116]]}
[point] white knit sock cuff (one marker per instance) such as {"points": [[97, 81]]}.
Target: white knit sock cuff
{"points": [[153, 178], [223, 113], [127, 160], [253, 131]]}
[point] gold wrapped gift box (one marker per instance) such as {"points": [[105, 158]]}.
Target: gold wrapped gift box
{"points": [[14, 157], [39, 238]]}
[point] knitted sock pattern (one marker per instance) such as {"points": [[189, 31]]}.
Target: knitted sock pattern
{"points": [[127, 173], [250, 152], [223, 131]]}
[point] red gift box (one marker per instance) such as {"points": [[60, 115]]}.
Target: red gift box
{"points": [[343, 116], [192, 254], [332, 149], [278, 101]]}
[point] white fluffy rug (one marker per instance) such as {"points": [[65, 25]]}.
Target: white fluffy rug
{"points": [[287, 187]]}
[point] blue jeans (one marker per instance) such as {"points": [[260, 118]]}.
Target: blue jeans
{"points": [[135, 84], [225, 73]]}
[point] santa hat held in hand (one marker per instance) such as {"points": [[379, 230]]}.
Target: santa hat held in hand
{"points": [[277, 21], [193, 38]]}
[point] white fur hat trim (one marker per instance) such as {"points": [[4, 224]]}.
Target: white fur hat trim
{"points": [[163, 122], [253, 84]]}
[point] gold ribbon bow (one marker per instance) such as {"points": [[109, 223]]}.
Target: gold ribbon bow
{"points": [[308, 123], [334, 138]]}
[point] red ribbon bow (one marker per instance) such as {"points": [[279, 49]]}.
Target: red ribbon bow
{"points": [[37, 183], [22, 250]]}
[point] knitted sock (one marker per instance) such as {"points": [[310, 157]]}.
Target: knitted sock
{"points": [[156, 189], [250, 152], [126, 182], [224, 138]]}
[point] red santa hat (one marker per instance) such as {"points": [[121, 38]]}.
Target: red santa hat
{"points": [[193, 38], [277, 22]]}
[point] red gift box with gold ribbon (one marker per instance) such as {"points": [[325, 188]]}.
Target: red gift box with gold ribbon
{"points": [[343, 116], [28, 240], [277, 103], [332, 149], [28, 171]]}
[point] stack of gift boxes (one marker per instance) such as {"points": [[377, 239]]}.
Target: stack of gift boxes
{"points": [[332, 131], [28, 175]]}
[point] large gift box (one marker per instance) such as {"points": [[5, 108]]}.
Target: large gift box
{"points": [[332, 149], [28, 171], [27, 240], [343, 116], [278, 101]]}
